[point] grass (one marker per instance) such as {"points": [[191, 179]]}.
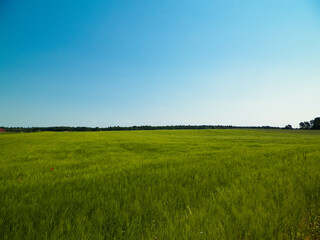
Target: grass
{"points": [[185, 184]]}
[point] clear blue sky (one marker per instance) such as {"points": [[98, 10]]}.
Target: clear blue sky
{"points": [[104, 63]]}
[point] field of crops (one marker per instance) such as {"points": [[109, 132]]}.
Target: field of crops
{"points": [[178, 184]]}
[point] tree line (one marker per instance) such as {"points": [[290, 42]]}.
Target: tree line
{"points": [[312, 124], [119, 128]]}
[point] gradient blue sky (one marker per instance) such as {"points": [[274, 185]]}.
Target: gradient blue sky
{"points": [[108, 62]]}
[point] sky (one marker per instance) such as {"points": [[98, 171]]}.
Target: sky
{"points": [[150, 62]]}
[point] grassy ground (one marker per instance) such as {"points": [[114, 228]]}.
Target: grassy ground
{"points": [[186, 184]]}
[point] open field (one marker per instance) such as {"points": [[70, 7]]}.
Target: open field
{"points": [[186, 184]]}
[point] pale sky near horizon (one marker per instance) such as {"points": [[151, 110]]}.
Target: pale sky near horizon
{"points": [[106, 62]]}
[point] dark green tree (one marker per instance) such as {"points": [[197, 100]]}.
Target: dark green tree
{"points": [[316, 123], [302, 125], [311, 123], [307, 125]]}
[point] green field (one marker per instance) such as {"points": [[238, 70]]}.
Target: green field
{"points": [[185, 184]]}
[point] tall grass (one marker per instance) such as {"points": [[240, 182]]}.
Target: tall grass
{"points": [[186, 184]]}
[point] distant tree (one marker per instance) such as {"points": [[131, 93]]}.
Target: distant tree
{"points": [[307, 125], [311, 123], [288, 127], [302, 125], [316, 123]]}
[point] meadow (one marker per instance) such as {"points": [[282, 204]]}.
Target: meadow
{"points": [[163, 184]]}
